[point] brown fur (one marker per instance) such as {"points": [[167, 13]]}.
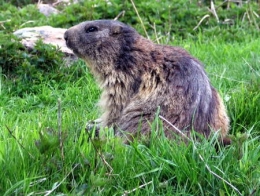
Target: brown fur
{"points": [[137, 76]]}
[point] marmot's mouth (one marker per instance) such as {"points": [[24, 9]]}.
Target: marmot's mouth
{"points": [[71, 48], [76, 52], [68, 45]]}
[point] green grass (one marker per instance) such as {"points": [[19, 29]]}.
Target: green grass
{"points": [[107, 167], [32, 162]]}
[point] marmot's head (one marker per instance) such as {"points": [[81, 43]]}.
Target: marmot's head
{"points": [[101, 40]]}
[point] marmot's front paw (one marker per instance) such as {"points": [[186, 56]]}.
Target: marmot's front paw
{"points": [[93, 125]]}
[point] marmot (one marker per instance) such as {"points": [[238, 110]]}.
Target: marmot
{"points": [[137, 76]]}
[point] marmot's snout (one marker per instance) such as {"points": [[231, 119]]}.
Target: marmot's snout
{"points": [[66, 37]]}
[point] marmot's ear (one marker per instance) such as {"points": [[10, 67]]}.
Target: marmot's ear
{"points": [[116, 29]]}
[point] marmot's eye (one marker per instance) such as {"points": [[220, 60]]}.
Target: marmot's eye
{"points": [[91, 29]]}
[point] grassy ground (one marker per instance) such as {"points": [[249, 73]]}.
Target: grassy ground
{"points": [[31, 160], [35, 161]]}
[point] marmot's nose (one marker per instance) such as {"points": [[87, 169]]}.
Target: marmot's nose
{"points": [[66, 36]]}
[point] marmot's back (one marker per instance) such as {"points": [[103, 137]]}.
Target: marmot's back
{"points": [[138, 76]]}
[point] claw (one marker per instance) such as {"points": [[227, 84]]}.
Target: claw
{"points": [[94, 125]]}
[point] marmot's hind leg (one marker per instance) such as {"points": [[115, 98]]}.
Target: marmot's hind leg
{"points": [[132, 126]]}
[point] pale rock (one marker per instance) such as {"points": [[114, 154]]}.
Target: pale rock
{"points": [[48, 34], [47, 9]]}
